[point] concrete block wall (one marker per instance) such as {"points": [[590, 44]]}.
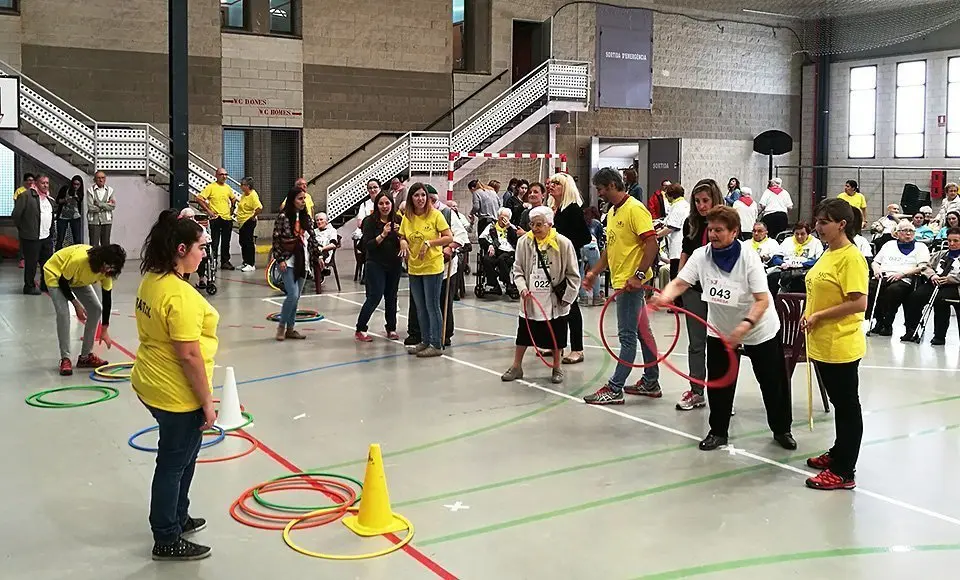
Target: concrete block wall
{"points": [[881, 187], [264, 78], [10, 39]]}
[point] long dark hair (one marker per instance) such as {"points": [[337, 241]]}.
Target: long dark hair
{"points": [[290, 210], [392, 216], [159, 253], [411, 209], [66, 189], [837, 210], [698, 223], [112, 255]]}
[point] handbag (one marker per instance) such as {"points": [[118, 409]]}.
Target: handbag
{"points": [[558, 289]]}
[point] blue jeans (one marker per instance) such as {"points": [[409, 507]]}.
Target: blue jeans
{"points": [[180, 439], [631, 315], [426, 295], [293, 288], [590, 256], [381, 284]]}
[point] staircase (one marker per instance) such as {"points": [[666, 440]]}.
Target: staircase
{"points": [[89, 145], [554, 86]]}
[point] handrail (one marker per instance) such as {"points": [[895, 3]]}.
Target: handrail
{"points": [[401, 133], [10, 70], [875, 167], [494, 101]]}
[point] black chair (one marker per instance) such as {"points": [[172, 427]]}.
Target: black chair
{"points": [[790, 308], [332, 263], [913, 198]]}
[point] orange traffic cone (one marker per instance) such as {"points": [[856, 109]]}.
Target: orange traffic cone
{"points": [[375, 517]]}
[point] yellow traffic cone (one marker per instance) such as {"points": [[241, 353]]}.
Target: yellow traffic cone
{"points": [[375, 517]]}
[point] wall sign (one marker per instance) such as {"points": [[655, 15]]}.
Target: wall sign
{"points": [[624, 58], [263, 107]]}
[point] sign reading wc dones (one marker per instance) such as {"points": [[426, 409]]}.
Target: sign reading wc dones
{"points": [[624, 58]]}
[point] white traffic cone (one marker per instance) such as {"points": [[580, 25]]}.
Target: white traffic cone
{"points": [[229, 415]]}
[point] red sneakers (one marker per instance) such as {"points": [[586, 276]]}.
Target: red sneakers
{"points": [[362, 337], [66, 369], [90, 361], [822, 462], [828, 481]]}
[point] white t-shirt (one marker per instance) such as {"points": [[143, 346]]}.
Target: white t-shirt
{"points": [[892, 261], [730, 296], [863, 245], [748, 214], [46, 217], [776, 202], [767, 249], [812, 250], [677, 213]]}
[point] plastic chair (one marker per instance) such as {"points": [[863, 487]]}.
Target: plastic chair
{"points": [[332, 262], [790, 308]]}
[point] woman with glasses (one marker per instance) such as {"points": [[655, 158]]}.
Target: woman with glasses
{"points": [[70, 275], [895, 268]]}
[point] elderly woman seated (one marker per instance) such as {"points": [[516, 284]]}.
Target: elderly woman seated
{"points": [[326, 236], [763, 244], [894, 270], [498, 245], [884, 228], [942, 276], [796, 255]]}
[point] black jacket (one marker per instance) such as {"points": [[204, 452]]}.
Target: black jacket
{"points": [[26, 215], [387, 252], [570, 223]]}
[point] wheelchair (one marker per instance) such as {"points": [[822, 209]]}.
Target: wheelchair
{"points": [[480, 290]]}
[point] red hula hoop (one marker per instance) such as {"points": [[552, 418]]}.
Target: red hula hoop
{"points": [[733, 369], [643, 336], [530, 332]]}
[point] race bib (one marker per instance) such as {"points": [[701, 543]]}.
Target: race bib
{"points": [[721, 292], [540, 285]]}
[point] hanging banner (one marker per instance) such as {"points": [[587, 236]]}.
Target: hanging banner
{"points": [[624, 58]]}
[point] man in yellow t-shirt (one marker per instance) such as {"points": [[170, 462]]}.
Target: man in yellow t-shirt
{"points": [[851, 194], [217, 200], [247, 211], [630, 253]]}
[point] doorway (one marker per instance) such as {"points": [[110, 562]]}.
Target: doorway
{"points": [[531, 44]]}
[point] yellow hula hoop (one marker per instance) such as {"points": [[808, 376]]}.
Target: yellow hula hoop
{"points": [[102, 371], [286, 538]]}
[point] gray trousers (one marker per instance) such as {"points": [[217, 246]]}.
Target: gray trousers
{"points": [[696, 338], [100, 234], [87, 296]]}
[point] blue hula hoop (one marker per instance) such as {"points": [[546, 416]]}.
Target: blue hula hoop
{"points": [[220, 437]]}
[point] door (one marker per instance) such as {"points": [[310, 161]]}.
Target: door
{"points": [[663, 162], [530, 43]]}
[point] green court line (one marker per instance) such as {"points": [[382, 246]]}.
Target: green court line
{"points": [[652, 491], [795, 557], [646, 454], [604, 368]]}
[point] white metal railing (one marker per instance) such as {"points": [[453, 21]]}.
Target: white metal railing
{"points": [[114, 147], [554, 81]]}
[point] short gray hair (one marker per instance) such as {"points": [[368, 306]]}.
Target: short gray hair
{"points": [[609, 176]]}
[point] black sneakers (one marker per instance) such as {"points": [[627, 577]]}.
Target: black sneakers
{"points": [[194, 525], [180, 551]]}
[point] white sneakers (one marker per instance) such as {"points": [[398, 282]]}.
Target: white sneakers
{"points": [[247, 268]]}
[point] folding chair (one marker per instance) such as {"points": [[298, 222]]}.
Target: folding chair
{"points": [[790, 308]]}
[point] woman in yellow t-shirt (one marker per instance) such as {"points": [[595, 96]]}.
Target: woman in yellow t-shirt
{"points": [[172, 375], [836, 300], [851, 194], [70, 275], [423, 234], [247, 211]]}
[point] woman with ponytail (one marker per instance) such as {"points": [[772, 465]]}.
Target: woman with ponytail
{"points": [[173, 375], [836, 300], [295, 249]]}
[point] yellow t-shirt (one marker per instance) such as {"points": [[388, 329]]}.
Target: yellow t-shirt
{"points": [[73, 264], [249, 203], [309, 203], [169, 309], [856, 200], [418, 230], [219, 197], [626, 226], [836, 275]]}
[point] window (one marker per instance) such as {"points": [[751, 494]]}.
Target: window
{"points": [[472, 35], [911, 108], [459, 62], [232, 14], [281, 16], [953, 107], [862, 130], [272, 157], [9, 6]]}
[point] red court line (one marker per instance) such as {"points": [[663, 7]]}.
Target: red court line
{"points": [[251, 282], [414, 553]]}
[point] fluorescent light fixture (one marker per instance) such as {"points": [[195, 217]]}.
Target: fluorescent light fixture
{"points": [[775, 14]]}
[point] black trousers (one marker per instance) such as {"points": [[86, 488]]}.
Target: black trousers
{"points": [[841, 382], [575, 324], [220, 231], [247, 246], [892, 296], [913, 308], [35, 253], [768, 367], [497, 267], [413, 325], [776, 223]]}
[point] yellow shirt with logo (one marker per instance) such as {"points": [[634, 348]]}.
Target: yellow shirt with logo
{"points": [[835, 276], [249, 204], [856, 200], [627, 228], [170, 310], [73, 264], [219, 198], [418, 230]]}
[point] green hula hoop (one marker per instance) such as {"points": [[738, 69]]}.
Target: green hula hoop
{"points": [[36, 399], [246, 415], [291, 508]]}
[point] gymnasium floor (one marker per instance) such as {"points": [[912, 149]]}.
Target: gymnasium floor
{"points": [[501, 480]]}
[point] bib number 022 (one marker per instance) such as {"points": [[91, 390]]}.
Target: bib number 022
{"points": [[541, 284]]}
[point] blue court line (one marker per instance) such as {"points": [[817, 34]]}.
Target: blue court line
{"points": [[351, 363]]}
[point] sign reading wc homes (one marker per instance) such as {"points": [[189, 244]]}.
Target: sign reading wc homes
{"points": [[624, 58], [263, 108]]}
